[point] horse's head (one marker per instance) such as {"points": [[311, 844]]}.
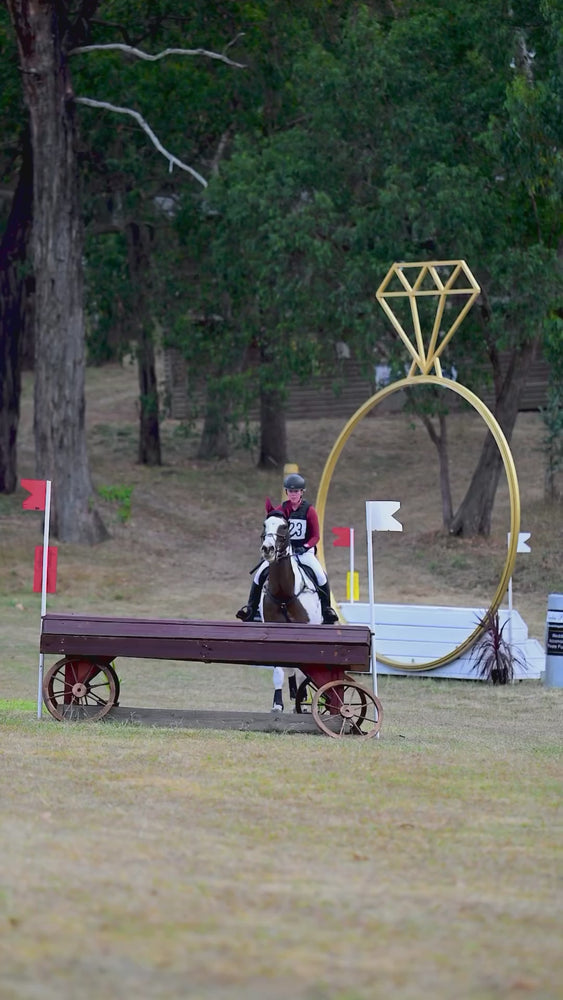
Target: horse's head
{"points": [[275, 536]]}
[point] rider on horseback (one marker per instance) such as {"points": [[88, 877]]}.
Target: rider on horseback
{"points": [[305, 533]]}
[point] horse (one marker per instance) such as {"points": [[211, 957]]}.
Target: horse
{"points": [[289, 594]]}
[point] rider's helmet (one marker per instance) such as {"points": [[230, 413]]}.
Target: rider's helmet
{"points": [[294, 482]]}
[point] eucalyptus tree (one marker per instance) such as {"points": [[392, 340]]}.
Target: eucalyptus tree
{"points": [[236, 334], [44, 36], [131, 200], [47, 34], [434, 133], [451, 123], [271, 257], [15, 279], [552, 412]]}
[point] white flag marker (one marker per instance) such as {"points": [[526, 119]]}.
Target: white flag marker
{"points": [[379, 515], [522, 546]]}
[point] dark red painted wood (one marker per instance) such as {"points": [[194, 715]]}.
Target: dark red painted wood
{"points": [[334, 647]]}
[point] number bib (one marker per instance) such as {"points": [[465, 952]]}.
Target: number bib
{"points": [[298, 524]]}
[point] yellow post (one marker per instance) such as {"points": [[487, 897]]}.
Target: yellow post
{"points": [[353, 595]]}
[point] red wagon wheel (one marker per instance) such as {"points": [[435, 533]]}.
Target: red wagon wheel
{"points": [[75, 689], [356, 710]]}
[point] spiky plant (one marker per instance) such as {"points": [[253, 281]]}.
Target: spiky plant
{"points": [[493, 659]]}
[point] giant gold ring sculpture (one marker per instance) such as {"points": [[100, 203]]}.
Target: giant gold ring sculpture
{"points": [[424, 360]]}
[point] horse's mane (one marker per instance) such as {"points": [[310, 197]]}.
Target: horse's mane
{"points": [[278, 512]]}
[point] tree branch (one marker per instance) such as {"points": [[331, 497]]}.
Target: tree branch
{"points": [[131, 50], [121, 28], [220, 152], [172, 160]]}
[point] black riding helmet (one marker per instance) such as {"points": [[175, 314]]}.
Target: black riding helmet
{"points": [[294, 482]]}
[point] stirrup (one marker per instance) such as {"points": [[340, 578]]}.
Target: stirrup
{"points": [[246, 613]]}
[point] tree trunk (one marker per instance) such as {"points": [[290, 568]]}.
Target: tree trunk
{"points": [[57, 247], [439, 438], [214, 441], [16, 292], [149, 429], [138, 243], [473, 516], [273, 431], [440, 441]]}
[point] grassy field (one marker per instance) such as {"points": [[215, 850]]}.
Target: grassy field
{"points": [[162, 863]]}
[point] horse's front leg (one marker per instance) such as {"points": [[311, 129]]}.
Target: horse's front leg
{"points": [[279, 676], [294, 682]]}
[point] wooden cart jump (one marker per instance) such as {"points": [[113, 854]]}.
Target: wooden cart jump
{"points": [[85, 685]]}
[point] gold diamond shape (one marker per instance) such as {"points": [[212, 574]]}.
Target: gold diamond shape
{"points": [[439, 278]]}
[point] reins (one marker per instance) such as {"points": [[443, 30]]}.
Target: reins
{"points": [[282, 551], [284, 601]]}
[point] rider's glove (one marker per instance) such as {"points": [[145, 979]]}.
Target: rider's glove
{"points": [[298, 550]]}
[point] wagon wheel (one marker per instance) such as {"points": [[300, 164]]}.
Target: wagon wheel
{"points": [[75, 689], [304, 698], [358, 711]]}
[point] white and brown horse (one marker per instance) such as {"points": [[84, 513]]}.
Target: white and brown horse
{"points": [[289, 595]]}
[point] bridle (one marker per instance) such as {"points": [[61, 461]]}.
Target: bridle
{"points": [[282, 550], [280, 545]]}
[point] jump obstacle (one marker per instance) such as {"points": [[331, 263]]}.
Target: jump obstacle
{"points": [[84, 684]]}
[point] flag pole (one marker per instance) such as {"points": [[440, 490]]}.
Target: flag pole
{"points": [[522, 546], [371, 596], [351, 565], [510, 613], [43, 592], [379, 517]]}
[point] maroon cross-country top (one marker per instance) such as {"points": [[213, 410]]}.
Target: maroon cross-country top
{"points": [[303, 522]]}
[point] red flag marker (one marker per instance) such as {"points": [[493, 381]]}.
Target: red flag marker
{"points": [[342, 537], [37, 489], [51, 569]]}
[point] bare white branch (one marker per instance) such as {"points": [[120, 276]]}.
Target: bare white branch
{"points": [[160, 55], [172, 160], [234, 40], [220, 151]]}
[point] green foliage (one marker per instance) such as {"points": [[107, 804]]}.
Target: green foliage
{"points": [[553, 345], [415, 138], [552, 413], [12, 112], [356, 135], [552, 416], [111, 297], [121, 495]]}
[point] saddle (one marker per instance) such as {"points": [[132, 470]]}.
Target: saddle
{"points": [[306, 570]]}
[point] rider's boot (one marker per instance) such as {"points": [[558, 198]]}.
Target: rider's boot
{"points": [[249, 611], [329, 614]]}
